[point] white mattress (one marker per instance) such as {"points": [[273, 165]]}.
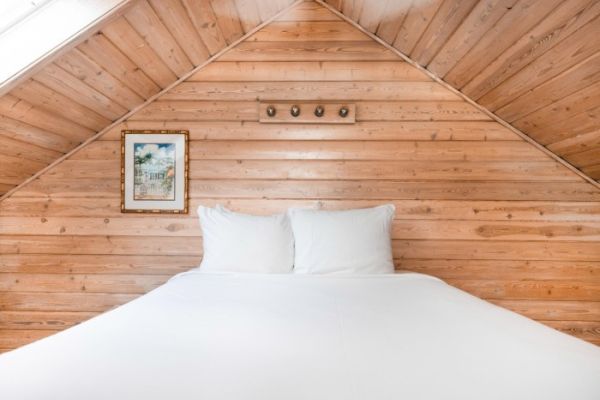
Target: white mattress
{"points": [[244, 337]]}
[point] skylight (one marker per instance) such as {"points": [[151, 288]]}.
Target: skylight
{"points": [[13, 12], [30, 30]]}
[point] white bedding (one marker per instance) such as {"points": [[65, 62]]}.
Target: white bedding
{"points": [[245, 337]]}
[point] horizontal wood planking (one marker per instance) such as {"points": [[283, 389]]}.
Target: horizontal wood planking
{"points": [[192, 246], [431, 151], [203, 110], [310, 90], [531, 290], [585, 330], [103, 283], [504, 270], [15, 129], [284, 71], [309, 51], [301, 169], [27, 114], [551, 310], [402, 229], [332, 190], [363, 131], [91, 264], [308, 11], [27, 151], [52, 302], [98, 283], [506, 222], [447, 210], [516, 58], [322, 31], [89, 86], [405, 209]]}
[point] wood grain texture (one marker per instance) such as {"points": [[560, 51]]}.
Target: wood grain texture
{"points": [[529, 61], [525, 59], [125, 61], [475, 204]]}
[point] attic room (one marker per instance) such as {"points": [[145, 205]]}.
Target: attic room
{"points": [[300, 199]]}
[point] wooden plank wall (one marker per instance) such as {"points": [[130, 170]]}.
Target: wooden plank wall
{"points": [[534, 63], [476, 205], [130, 59]]}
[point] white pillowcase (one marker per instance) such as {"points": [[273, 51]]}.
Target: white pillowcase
{"points": [[245, 243], [351, 241]]}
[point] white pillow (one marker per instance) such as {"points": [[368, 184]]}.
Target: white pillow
{"points": [[352, 241], [245, 243]]}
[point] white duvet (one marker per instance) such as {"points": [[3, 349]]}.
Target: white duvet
{"points": [[286, 337]]}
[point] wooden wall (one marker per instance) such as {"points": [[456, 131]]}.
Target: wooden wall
{"points": [[476, 205], [80, 91], [535, 63]]}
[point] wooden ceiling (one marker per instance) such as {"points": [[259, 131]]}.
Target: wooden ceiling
{"points": [[129, 60], [535, 63]]}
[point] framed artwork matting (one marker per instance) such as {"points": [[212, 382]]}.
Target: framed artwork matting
{"points": [[154, 171]]}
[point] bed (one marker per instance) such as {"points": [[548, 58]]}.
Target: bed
{"points": [[291, 336]]}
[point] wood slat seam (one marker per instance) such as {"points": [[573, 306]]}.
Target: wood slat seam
{"points": [[146, 103], [483, 109]]}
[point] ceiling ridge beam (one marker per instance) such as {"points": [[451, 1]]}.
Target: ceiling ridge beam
{"points": [[466, 98], [148, 101]]}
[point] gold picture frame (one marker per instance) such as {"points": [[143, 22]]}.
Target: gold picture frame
{"points": [[154, 171]]}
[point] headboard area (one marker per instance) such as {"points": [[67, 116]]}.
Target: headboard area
{"points": [[476, 205]]}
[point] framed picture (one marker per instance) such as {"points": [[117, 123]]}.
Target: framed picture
{"points": [[154, 172]]}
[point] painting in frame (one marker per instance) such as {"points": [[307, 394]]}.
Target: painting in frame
{"points": [[154, 171]]}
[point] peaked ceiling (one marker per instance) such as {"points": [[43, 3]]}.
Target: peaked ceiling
{"points": [[127, 60], [532, 62]]}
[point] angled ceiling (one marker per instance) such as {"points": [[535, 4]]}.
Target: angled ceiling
{"points": [[126, 61], [532, 62]]}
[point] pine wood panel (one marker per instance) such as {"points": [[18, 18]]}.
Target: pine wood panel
{"points": [[465, 151], [144, 20], [364, 131], [64, 83], [177, 20], [93, 75], [516, 57], [333, 189], [401, 229], [405, 209], [305, 90], [104, 53], [315, 31], [526, 60], [255, 71], [115, 70], [128, 40], [30, 320], [476, 205], [339, 169], [309, 50], [18, 130], [26, 114]]}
